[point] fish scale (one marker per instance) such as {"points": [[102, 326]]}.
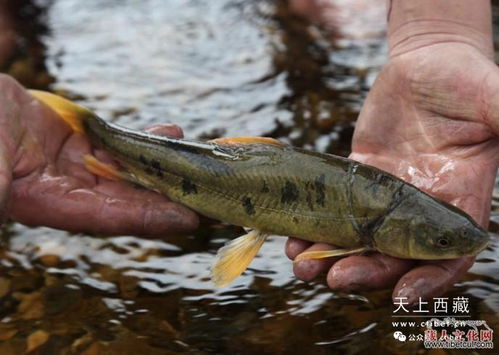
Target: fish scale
{"points": [[273, 188]]}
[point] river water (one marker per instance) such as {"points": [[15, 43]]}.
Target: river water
{"points": [[216, 68]]}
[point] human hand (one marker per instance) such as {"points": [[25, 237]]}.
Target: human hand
{"points": [[431, 118], [43, 180]]}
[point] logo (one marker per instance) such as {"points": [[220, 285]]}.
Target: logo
{"points": [[399, 336], [455, 330]]}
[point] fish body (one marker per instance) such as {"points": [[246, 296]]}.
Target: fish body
{"points": [[273, 188]]}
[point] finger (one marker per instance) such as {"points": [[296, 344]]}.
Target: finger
{"points": [[295, 246], [127, 191], [166, 129], [307, 270], [59, 203], [431, 279], [367, 272]]}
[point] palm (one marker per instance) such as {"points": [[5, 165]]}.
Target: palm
{"points": [[433, 130], [51, 187], [427, 120]]}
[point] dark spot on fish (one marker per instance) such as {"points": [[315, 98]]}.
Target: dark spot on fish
{"points": [[188, 187], [289, 193], [373, 187], [382, 179], [265, 188], [309, 187], [181, 146], [155, 164], [398, 194], [309, 201], [296, 220], [248, 206], [320, 190], [143, 159]]}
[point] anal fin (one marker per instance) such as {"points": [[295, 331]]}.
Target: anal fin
{"points": [[321, 254], [235, 256], [101, 169]]}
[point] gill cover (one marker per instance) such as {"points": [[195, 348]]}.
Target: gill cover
{"points": [[421, 227]]}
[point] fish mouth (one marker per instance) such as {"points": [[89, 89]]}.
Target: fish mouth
{"points": [[483, 246], [479, 247]]}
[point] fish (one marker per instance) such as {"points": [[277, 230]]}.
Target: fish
{"points": [[271, 188]]}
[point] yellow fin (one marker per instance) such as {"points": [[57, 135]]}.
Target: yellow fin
{"points": [[246, 140], [320, 254], [235, 257], [70, 112], [101, 169]]}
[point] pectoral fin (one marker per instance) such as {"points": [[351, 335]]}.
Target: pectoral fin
{"points": [[320, 254], [101, 169], [246, 140], [235, 256]]}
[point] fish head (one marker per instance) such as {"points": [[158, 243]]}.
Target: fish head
{"points": [[421, 227]]}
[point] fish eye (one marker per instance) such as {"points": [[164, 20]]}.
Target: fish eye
{"points": [[464, 233], [443, 242]]}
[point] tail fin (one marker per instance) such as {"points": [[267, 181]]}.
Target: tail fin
{"points": [[71, 113]]}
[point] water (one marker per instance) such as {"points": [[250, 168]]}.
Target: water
{"points": [[216, 68]]}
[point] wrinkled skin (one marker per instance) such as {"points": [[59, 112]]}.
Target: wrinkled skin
{"points": [[430, 119], [43, 181]]}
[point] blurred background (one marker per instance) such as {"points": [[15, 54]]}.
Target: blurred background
{"points": [[215, 68]]}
